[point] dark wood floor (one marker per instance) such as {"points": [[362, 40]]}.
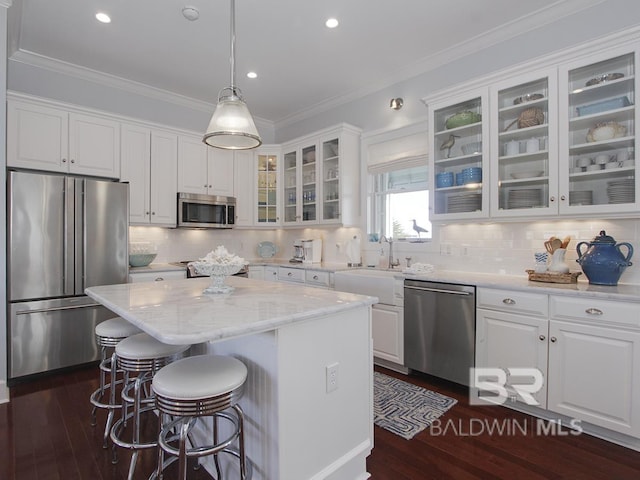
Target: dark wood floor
{"points": [[45, 434]]}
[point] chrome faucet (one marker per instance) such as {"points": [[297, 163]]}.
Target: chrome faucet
{"points": [[389, 240]]}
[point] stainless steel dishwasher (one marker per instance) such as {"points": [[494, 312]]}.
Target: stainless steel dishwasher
{"points": [[439, 329]]}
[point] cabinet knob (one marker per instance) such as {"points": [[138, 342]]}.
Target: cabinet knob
{"points": [[209, 186], [509, 301], [146, 213], [159, 279], [64, 160], [563, 198], [542, 337], [205, 185], [553, 339], [552, 199], [153, 213], [315, 277], [594, 311], [289, 274], [73, 161]]}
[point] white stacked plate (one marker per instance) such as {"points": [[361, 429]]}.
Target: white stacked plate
{"points": [[581, 197], [469, 202], [621, 191], [525, 198]]}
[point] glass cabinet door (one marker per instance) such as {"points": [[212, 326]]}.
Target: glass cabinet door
{"points": [[290, 180], [600, 172], [524, 166], [458, 154], [309, 190], [330, 180], [267, 189]]}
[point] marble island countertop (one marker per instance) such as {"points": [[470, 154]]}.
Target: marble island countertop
{"points": [[177, 312]]}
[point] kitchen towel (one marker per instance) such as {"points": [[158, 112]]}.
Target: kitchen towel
{"points": [[406, 409]]}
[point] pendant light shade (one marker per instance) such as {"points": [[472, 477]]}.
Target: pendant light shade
{"points": [[232, 127]]}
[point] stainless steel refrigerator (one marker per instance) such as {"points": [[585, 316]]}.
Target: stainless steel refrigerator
{"points": [[64, 234]]}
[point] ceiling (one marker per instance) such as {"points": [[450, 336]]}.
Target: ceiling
{"points": [[301, 64]]}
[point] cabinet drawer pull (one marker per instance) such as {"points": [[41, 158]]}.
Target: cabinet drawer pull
{"points": [[553, 199], [542, 337], [553, 339], [64, 160], [159, 279], [509, 301], [73, 161], [315, 277], [594, 311], [289, 274], [563, 198]]}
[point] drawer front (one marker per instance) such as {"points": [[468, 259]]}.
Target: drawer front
{"points": [[595, 310], [291, 274], [157, 276], [315, 277], [512, 301]]}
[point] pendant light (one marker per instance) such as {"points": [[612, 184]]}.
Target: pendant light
{"points": [[231, 126]]}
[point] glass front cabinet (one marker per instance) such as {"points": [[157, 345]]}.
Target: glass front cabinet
{"points": [[524, 146], [458, 157], [321, 178], [267, 211], [597, 150]]}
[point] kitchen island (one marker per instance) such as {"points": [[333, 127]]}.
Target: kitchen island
{"points": [[300, 425]]}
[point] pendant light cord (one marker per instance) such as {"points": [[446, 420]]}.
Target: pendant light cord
{"points": [[233, 47]]}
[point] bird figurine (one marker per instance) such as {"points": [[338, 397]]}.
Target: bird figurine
{"points": [[448, 144], [418, 228]]}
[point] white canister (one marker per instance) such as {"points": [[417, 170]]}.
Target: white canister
{"points": [[512, 148], [532, 145]]}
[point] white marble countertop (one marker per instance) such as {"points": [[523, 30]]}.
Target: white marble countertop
{"points": [[177, 312], [626, 292]]}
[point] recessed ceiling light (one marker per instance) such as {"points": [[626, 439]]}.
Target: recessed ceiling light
{"points": [[252, 75], [103, 17], [331, 23]]}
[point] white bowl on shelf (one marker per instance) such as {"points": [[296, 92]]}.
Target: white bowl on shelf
{"points": [[521, 175]]}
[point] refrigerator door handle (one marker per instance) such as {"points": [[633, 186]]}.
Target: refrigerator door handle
{"points": [[55, 309], [69, 240], [80, 237]]}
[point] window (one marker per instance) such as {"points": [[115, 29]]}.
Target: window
{"points": [[399, 196]]}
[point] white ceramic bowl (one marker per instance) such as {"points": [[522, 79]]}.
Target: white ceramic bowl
{"points": [[591, 168], [583, 162], [521, 175], [602, 159]]}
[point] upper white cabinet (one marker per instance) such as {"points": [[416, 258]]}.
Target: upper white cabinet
{"points": [[46, 138], [203, 169], [267, 206], [524, 146], [597, 145], [149, 164], [320, 177], [458, 130]]}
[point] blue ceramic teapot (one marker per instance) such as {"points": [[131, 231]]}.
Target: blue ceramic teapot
{"points": [[603, 262]]}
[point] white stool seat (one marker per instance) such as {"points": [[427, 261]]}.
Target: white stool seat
{"points": [[144, 347], [116, 328], [203, 376]]}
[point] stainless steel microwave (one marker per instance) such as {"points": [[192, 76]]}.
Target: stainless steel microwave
{"points": [[206, 211]]}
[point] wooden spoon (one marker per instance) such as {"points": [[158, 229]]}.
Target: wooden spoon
{"points": [[556, 243], [565, 241]]}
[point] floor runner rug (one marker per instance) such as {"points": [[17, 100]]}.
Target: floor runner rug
{"points": [[405, 409]]}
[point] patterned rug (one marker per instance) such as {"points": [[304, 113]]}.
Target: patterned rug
{"points": [[403, 408]]}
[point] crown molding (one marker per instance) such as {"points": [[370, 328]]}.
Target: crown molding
{"points": [[535, 20], [119, 83], [6, 3]]}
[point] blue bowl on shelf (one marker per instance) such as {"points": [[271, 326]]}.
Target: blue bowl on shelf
{"points": [[444, 180]]}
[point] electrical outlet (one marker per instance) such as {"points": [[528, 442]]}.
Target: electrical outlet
{"points": [[332, 377]]}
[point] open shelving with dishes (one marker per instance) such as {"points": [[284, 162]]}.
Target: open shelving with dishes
{"points": [[331, 179], [458, 157], [267, 206], [600, 141]]}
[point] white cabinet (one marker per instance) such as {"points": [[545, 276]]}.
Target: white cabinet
{"points": [[588, 351], [318, 278], [267, 205], [286, 274], [271, 273], [459, 156], [256, 271], [524, 142], [203, 169], [511, 332], [44, 138], [594, 362], [244, 187], [599, 170], [136, 277], [149, 164], [388, 333], [320, 178]]}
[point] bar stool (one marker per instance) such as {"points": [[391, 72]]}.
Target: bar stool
{"points": [[108, 334], [196, 387], [140, 357]]}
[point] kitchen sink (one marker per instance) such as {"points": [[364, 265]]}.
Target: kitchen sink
{"points": [[378, 283]]}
